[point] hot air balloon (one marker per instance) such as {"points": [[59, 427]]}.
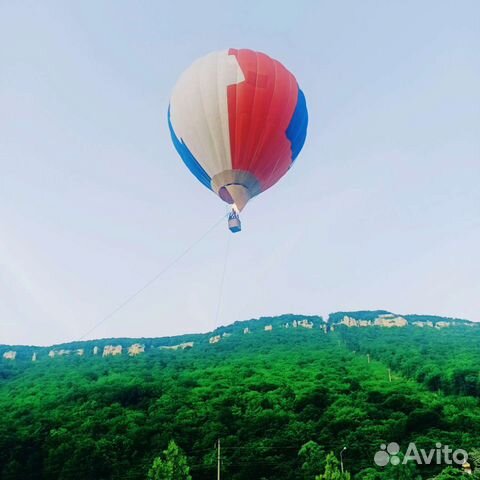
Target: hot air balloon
{"points": [[238, 120]]}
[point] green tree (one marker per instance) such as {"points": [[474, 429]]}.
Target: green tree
{"points": [[401, 470], [369, 474], [474, 459], [451, 473], [171, 466], [332, 470], [312, 457]]}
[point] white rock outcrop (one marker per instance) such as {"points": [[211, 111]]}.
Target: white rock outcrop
{"points": [[421, 324], [11, 355], [349, 321], [59, 353], [305, 323], [389, 320], [214, 339], [112, 350], [136, 349], [180, 346]]}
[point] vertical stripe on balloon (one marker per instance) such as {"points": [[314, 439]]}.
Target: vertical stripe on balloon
{"points": [[187, 156], [260, 110]]}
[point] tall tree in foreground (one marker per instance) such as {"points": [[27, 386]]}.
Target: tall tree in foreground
{"points": [[172, 465], [312, 458], [332, 470], [452, 473]]}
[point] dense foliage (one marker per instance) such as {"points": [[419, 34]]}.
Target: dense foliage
{"points": [[279, 400], [446, 360]]}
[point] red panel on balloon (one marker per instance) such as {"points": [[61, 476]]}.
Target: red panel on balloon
{"points": [[259, 113]]}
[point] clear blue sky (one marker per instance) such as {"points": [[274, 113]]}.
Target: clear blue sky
{"points": [[381, 210]]}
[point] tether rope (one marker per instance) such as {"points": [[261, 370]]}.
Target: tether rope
{"points": [[222, 282], [167, 267]]}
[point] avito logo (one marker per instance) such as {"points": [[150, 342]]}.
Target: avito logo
{"points": [[442, 454]]}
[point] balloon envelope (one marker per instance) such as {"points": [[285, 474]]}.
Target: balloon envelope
{"points": [[238, 119]]}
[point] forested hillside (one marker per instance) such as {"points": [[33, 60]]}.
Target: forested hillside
{"points": [[280, 400]]}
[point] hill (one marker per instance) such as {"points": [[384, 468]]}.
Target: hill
{"points": [[266, 392], [366, 318]]}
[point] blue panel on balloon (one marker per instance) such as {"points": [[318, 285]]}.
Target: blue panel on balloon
{"points": [[297, 129], [190, 161]]}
